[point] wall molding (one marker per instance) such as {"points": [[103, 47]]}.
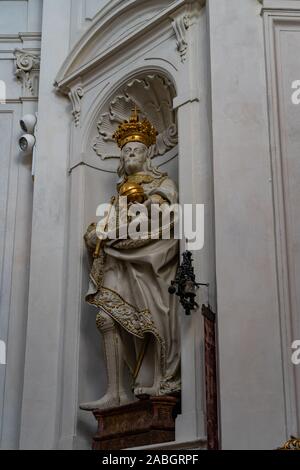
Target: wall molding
{"points": [[76, 94], [27, 71], [180, 26], [286, 5], [274, 25]]}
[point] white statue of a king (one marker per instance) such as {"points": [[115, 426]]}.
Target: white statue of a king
{"points": [[129, 282]]}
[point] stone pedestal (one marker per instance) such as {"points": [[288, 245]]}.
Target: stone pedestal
{"points": [[145, 422]]}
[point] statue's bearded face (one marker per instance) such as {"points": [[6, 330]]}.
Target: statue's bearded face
{"points": [[134, 155]]}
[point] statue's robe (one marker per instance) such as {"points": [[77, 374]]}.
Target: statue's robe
{"points": [[130, 280]]}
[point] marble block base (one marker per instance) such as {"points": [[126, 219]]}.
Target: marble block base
{"points": [[144, 422]]}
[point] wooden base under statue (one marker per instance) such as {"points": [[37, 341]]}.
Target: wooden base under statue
{"points": [[144, 422]]}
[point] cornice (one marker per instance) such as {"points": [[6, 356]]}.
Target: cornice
{"points": [[280, 5], [10, 38], [20, 37]]}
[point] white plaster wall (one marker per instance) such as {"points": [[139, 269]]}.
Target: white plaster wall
{"points": [[282, 28], [289, 130], [15, 211], [82, 14], [252, 400], [13, 16], [64, 363], [19, 16], [40, 419]]}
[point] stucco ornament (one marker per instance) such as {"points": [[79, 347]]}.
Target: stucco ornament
{"points": [[27, 71], [154, 95], [129, 282]]}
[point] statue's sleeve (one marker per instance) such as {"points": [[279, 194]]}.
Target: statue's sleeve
{"points": [[167, 190], [90, 237]]}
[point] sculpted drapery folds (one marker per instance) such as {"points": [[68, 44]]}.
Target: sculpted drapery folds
{"points": [[129, 282]]}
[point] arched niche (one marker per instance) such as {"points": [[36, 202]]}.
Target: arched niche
{"points": [[153, 94], [153, 62]]}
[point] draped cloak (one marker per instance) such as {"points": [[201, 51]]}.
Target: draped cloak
{"points": [[130, 280]]}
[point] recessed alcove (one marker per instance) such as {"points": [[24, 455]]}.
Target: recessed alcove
{"points": [[153, 95], [150, 64]]}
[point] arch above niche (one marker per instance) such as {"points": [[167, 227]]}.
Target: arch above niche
{"points": [[116, 35], [153, 94], [115, 27]]}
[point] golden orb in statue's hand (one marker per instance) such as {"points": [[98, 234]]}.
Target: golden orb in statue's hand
{"points": [[133, 191]]}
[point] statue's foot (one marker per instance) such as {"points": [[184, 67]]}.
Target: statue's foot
{"points": [[149, 391], [125, 398], [108, 401]]}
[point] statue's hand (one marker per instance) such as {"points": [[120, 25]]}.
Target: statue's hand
{"points": [[90, 237], [154, 199]]}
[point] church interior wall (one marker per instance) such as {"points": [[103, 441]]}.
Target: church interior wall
{"points": [[253, 382], [20, 29], [231, 72]]}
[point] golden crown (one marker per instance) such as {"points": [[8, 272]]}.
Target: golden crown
{"points": [[135, 131]]}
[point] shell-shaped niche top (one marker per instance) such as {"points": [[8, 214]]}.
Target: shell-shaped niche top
{"points": [[153, 95]]}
